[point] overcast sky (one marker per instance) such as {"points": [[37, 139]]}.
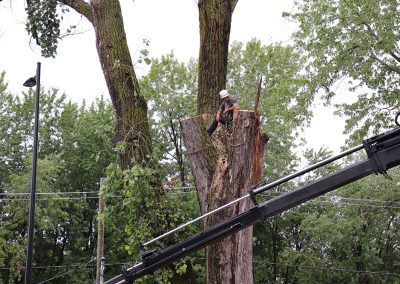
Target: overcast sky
{"points": [[169, 25]]}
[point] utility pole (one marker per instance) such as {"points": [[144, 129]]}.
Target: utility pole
{"points": [[100, 236], [102, 267], [31, 223]]}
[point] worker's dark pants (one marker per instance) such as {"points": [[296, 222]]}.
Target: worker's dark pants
{"points": [[224, 120]]}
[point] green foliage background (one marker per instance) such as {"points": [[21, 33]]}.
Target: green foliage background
{"points": [[349, 236], [354, 44]]}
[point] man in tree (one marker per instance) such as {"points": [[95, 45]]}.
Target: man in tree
{"points": [[226, 112]]}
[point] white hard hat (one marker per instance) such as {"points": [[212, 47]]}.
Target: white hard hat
{"points": [[223, 94]]}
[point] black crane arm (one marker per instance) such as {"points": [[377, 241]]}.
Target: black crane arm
{"points": [[383, 153]]}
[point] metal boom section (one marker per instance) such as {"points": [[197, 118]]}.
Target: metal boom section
{"points": [[383, 153]]}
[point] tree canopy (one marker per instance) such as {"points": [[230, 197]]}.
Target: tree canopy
{"points": [[354, 41]]}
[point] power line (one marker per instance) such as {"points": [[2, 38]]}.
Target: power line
{"points": [[53, 198], [336, 199], [178, 192], [50, 193], [67, 272], [184, 190], [339, 202], [58, 276], [75, 265]]}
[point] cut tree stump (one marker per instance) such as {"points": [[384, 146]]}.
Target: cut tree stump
{"points": [[224, 168]]}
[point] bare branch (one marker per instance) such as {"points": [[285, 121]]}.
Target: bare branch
{"points": [[81, 7], [373, 33], [376, 58]]}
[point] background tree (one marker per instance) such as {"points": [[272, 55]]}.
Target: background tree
{"points": [[284, 110], [333, 238], [355, 41], [170, 88], [285, 99], [351, 238], [75, 148]]}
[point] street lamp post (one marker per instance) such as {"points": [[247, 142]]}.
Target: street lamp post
{"points": [[30, 83]]}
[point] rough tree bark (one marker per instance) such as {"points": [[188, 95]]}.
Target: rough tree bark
{"points": [[215, 19], [224, 169], [131, 108]]}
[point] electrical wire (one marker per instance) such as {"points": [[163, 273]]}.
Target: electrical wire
{"points": [[50, 193], [187, 189], [175, 192], [364, 202], [75, 265], [47, 199], [67, 272]]}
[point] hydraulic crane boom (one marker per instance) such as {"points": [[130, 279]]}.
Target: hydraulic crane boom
{"points": [[383, 153]]}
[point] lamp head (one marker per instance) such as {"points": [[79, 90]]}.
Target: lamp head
{"points": [[31, 82]]}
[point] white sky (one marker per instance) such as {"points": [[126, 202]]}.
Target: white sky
{"points": [[169, 25]]}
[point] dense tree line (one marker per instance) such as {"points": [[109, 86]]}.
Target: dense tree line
{"points": [[75, 148]]}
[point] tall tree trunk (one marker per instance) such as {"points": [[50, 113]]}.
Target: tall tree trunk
{"points": [[132, 127], [215, 26], [224, 169]]}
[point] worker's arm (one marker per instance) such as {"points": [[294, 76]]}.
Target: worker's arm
{"points": [[234, 107], [219, 113]]}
